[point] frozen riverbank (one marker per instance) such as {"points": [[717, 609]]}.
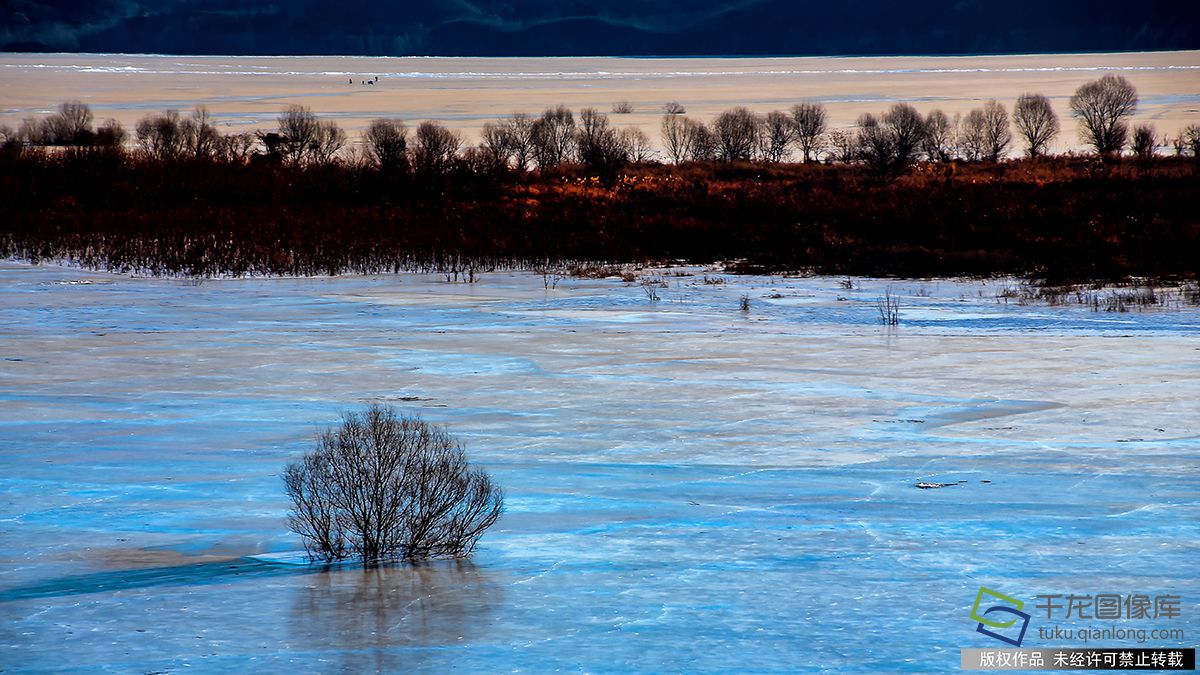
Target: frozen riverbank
{"points": [[690, 487]]}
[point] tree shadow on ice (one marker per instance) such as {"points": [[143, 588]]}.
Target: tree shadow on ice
{"points": [[225, 571], [393, 616]]}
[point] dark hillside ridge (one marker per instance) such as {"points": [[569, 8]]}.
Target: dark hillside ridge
{"points": [[590, 28]]}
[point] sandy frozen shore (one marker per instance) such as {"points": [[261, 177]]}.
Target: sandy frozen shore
{"points": [[248, 92], [690, 487]]}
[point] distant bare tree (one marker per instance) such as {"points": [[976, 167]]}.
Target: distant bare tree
{"points": [[810, 120], [237, 148], [29, 132], [737, 131], [298, 129], [384, 486], [1103, 108], [939, 137], [161, 136], [907, 129], [328, 142], [111, 134], [596, 141], [1187, 142], [497, 144], [635, 145], [1036, 122], [876, 147], [888, 144], [200, 137], [553, 137], [673, 108], [997, 132], [776, 136], [675, 137], [76, 115], [518, 129], [701, 141], [842, 146], [386, 141], [71, 125], [972, 137], [622, 108], [435, 148], [1144, 142]]}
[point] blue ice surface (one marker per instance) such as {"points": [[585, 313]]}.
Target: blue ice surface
{"points": [[690, 488]]}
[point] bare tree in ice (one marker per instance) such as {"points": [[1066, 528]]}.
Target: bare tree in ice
{"points": [[385, 486]]}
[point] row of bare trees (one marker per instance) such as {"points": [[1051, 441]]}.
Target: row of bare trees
{"points": [[892, 140], [886, 142]]}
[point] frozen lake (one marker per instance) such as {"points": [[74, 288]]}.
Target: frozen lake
{"points": [[245, 93], [690, 487]]}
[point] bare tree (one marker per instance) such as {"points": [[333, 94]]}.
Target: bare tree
{"points": [[675, 137], [596, 141], [1036, 122], [842, 146], [298, 129], [384, 486], [1103, 108], [776, 135], [907, 128], [622, 108], [973, 136], [200, 137], [997, 132], [111, 134], [30, 132], [552, 137], [810, 121], [635, 144], [76, 115], [737, 133], [888, 144], [328, 142], [876, 147], [701, 141], [237, 148], [1188, 141], [161, 136], [71, 125], [673, 108], [939, 137], [386, 141], [519, 130], [435, 148], [1144, 142], [497, 144]]}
